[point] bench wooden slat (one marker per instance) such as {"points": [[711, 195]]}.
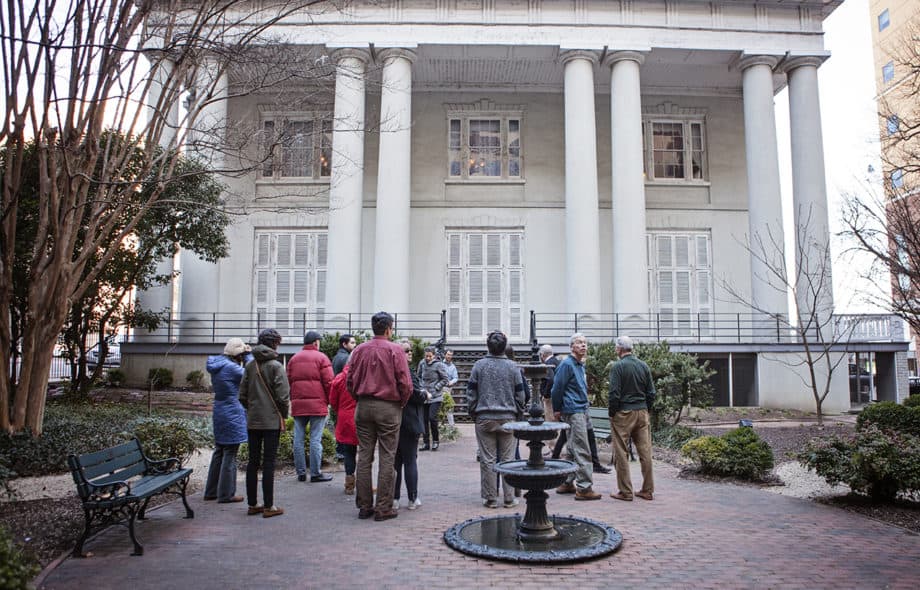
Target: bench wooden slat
{"points": [[123, 456]]}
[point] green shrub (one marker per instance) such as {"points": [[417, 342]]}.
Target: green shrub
{"points": [[195, 379], [6, 474], [674, 437], [159, 378], [115, 377], [286, 445], [739, 452], [165, 438], [329, 344], [16, 568], [912, 402], [447, 406], [877, 462], [891, 416]]}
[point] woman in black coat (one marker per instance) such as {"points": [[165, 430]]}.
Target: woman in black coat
{"points": [[413, 425]]}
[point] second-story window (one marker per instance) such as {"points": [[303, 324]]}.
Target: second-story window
{"points": [[675, 150], [297, 147], [484, 145], [888, 72], [883, 20]]}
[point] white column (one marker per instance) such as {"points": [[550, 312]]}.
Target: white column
{"points": [[199, 284], [809, 192], [346, 189], [582, 238], [765, 218], [630, 264], [391, 253], [162, 112]]}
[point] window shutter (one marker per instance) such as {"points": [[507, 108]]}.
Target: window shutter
{"points": [[494, 250], [665, 287], [284, 250], [300, 286], [515, 314], [262, 286], [663, 244], [683, 287], [263, 246], [681, 251], [514, 286], [703, 288], [321, 288], [475, 315], [322, 249], [283, 286], [494, 290], [475, 249], [453, 257], [301, 249], [282, 319], [453, 321], [514, 250], [495, 319], [702, 251], [453, 289], [475, 284]]}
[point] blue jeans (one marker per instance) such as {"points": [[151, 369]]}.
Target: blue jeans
{"points": [[317, 424], [221, 482]]}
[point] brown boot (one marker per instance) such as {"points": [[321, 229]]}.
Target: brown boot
{"points": [[587, 494], [350, 485], [566, 488]]}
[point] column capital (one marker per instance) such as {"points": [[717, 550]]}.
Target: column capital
{"points": [[385, 55], [343, 53], [749, 60], [568, 55], [793, 61], [618, 56]]}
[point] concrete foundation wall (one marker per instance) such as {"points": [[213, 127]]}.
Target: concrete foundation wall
{"points": [[137, 367], [783, 383]]}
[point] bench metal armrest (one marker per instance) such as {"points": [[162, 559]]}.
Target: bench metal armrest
{"points": [[162, 467], [107, 492]]}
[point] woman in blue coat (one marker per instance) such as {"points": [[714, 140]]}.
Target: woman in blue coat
{"points": [[229, 420]]}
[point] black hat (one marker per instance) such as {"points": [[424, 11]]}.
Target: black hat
{"points": [[311, 337]]}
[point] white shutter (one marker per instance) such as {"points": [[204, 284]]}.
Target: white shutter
{"points": [[494, 319], [663, 244], [263, 250], [322, 249], [282, 319], [282, 286], [493, 250], [702, 251], [494, 290], [284, 250], [453, 322], [453, 288], [262, 287], [301, 277], [321, 288], [515, 314], [475, 249], [514, 286], [665, 288], [683, 287], [301, 249], [475, 328], [475, 286], [703, 289], [514, 250], [453, 246], [682, 251]]}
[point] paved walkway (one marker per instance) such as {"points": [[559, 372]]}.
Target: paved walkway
{"points": [[694, 535]]}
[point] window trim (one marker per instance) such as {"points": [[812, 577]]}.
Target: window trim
{"points": [[648, 152], [484, 110], [325, 120]]}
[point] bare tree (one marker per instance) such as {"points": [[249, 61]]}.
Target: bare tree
{"points": [[813, 325], [72, 70]]}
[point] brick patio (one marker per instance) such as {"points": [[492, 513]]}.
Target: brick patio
{"points": [[694, 535]]}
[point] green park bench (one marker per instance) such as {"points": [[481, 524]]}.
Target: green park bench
{"points": [[600, 421], [116, 484]]}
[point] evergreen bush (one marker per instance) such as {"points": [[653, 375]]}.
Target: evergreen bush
{"points": [[195, 379], [739, 453], [891, 416], [115, 377], [16, 568], [164, 438], [286, 445], [674, 437], [912, 401], [159, 378]]}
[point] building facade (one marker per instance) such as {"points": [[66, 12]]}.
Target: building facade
{"points": [[503, 160]]}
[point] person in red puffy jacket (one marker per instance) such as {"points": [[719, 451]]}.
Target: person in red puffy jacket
{"points": [[310, 374], [345, 433]]}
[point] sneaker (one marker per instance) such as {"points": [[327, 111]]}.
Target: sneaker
{"points": [[425, 448], [587, 494], [512, 503], [434, 446], [273, 511], [490, 503], [413, 504], [302, 477], [320, 478], [566, 488], [255, 510], [395, 503]]}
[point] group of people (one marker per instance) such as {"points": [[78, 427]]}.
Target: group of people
{"points": [[383, 408]]}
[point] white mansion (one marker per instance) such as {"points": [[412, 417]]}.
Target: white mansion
{"points": [[608, 158]]}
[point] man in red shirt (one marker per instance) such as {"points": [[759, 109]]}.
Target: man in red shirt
{"points": [[310, 374], [379, 380]]}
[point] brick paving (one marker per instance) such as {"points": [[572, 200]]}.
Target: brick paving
{"points": [[694, 535]]}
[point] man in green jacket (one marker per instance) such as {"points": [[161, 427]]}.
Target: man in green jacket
{"points": [[631, 395]]}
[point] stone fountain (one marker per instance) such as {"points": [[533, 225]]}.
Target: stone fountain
{"points": [[537, 537]]}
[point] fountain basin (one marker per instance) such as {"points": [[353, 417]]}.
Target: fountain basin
{"points": [[551, 474]]}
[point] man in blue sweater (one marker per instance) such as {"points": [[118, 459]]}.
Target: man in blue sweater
{"points": [[570, 405]]}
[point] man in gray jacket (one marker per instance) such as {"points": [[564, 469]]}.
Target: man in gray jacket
{"points": [[432, 375], [495, 393]]}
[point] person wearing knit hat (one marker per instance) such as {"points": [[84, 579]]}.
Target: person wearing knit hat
{"points": [[229, 419]]}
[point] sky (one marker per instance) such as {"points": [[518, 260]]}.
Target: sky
{"points": [[850, 132]]}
